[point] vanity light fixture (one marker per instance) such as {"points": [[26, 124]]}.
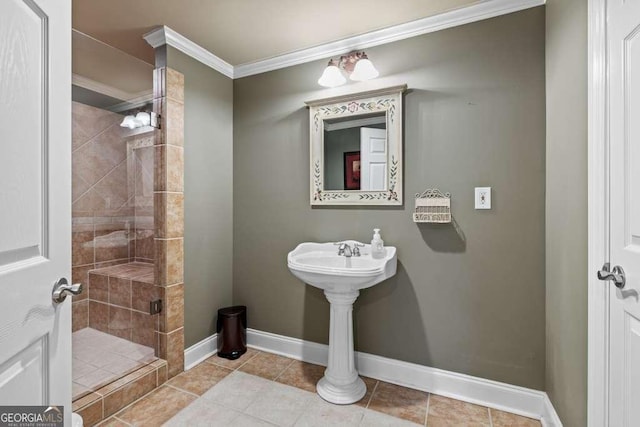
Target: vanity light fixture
{"points": [[141, 119], [356, 64]]}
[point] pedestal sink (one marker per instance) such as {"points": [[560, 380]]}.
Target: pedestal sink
{"points": [[341, 277]]}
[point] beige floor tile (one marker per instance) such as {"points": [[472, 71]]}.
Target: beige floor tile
{"points": [[281, 404], [232, 364], [266, 365], [321, 414], [238, 390], [200, 378], [156, 408], [302, 375], [445, 412], [400, 402], [505, 419], [203, 412], [378, 419]]}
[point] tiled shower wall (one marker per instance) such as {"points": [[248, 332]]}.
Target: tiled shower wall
{"points": [[112, 190]]}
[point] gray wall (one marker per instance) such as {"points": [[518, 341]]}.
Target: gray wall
{"points": [[566, 212], [208, 211], [468, 297]]}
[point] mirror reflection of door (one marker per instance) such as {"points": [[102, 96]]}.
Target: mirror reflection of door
{"points": [[364, 136], [373, 159]]}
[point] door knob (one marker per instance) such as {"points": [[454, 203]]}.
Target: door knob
{"points": [[62, 288], [616, 275]]}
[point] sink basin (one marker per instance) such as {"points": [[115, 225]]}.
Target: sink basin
{"points": [[341, 278], [319, 265]]}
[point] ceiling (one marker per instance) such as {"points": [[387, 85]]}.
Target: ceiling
{"points": [[244, 31]]}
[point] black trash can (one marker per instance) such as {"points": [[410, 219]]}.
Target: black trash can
{"points": [[232, 331]]}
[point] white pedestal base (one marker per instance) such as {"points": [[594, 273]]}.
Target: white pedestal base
{"points": [[341, 395], [341, 384]]}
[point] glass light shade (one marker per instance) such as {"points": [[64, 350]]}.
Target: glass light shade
{"points": [[129, 122], [143, 118], [364, 70], [331, 77]]}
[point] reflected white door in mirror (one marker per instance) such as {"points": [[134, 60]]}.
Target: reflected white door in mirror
{"points": [[356, 148]]}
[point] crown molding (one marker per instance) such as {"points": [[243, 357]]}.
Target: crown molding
{"points": [[165, 35], [484, 9], [105, 89], [476, 12]]}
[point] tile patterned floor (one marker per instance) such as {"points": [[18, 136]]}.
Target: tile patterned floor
{"points": [[100, 358], [263, 389]]}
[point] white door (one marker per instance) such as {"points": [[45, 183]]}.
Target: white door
{"points": [[373, 159], [624, 229], [35, 201]]}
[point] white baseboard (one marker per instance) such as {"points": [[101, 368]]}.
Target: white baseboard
{"points": [[510, 398], [550, 417], [506, 397], [200, 351]]}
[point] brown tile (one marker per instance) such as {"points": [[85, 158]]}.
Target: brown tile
{"points": [[98, 316], [266, 365], [120, 292], [156, 408], [505, 419], [200, 378], [144, 244], [169, 261], [113, 422], [98, 287], [101, 154], [174, 82], [81, 275], [400, 402], [106, 264], [82, 248], [110, 246], [450, 412], [174, 122], [232, 364], [80, 315], [91, 414], [113, 187], [129, 393], [172, 350], [120, 322], [85, 401], [127, 379], [162, 374], [144, 328], [142, 294], [169, 214], [371, 386], [302, 375], [88, 122], [172, 316], [169, 169]]}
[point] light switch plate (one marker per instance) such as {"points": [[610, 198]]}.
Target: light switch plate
{"points": [[483, 197]]}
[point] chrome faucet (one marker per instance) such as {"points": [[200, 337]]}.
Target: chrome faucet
{"points": [[345, 249]]}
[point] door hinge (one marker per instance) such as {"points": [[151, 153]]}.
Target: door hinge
{"points": [[155, 307]]}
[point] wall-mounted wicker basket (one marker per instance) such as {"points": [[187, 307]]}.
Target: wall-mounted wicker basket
{"points": [[432, 206]]}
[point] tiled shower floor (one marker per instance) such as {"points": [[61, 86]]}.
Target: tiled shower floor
{"points": [[263, 389], [100, 358]]}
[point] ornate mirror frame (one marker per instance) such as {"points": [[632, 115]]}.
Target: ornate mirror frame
{"points": [[387, 100]]}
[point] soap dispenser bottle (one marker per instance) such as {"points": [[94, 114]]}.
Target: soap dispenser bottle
{"points": [[377, 245]]}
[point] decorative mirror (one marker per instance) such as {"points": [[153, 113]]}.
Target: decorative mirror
{"points": [[356, 148]]}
